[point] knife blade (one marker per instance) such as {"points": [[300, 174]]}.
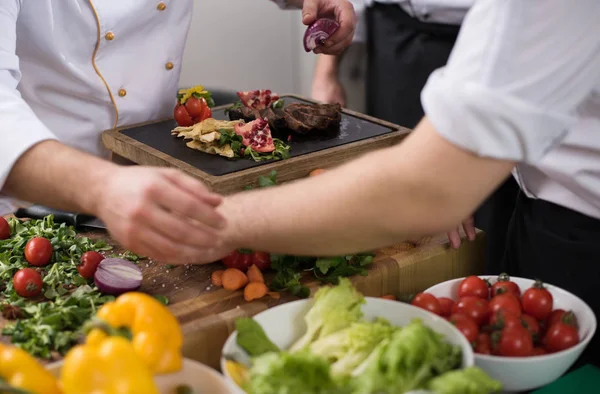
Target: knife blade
{"points": [[77, 220]]}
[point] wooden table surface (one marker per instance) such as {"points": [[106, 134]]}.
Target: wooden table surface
{"points": [[207, 313]]}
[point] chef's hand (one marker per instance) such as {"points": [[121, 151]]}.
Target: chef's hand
{"points": [[454, 235], [340, 10], [163, 214]]}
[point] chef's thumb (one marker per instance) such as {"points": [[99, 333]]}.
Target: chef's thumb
{"points": [[309, 11]]}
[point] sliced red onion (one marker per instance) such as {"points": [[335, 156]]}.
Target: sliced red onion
{"points": [[317, 33], [117, 276]]}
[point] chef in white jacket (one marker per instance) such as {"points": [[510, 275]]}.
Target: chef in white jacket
{"points": [[405, 41], [71, 69]]}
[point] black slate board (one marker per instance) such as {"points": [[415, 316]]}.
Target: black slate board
{"points": [[158, 136]]}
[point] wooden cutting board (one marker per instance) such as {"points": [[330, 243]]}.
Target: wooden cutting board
{"points": [[207, 313], [152, 144]]}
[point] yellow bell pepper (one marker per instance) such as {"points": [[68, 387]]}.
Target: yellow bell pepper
{"points": [[19, 370], [155, 333], [110, 366]]}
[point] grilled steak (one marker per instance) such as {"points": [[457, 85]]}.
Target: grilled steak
{"points": [[300, 118]]}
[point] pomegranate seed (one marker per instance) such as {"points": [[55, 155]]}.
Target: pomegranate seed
{"points": [[289, 138]]}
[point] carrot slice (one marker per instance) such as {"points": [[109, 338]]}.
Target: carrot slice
{"points": [[389, 297], [234, 279], [255, 291], [254, 274], [216, 278]]}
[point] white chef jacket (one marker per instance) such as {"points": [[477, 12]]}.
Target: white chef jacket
{"points": [[70, 69], [523, 84], [449, 12]]}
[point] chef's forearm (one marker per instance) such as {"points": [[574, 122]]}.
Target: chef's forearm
{"points": [[327, 66], [58, 176], [423, 186]]}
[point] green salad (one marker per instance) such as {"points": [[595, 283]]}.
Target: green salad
{"points": [[343, 353]]}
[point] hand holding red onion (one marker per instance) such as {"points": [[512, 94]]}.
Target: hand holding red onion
{"points": [[318, 32]]}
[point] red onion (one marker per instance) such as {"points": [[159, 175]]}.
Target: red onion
{"points": [[117, 276], [318, 32]]}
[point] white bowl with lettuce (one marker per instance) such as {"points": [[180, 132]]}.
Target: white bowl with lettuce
{"points": [[342, 342]]}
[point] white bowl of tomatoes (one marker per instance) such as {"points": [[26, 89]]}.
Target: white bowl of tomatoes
{"points": [[525, 333]]}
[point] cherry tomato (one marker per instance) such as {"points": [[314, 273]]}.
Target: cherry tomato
{"points": [[38, 251], [28, 282], [537, 301], [241, 261], [446, 304], [195, 106], [4, 229], [506, 302], [484, 344], [555, 316], [514, 342], [262, 260], [560, 336], [538, 351], [89, 264], [473, 286], [504, 320], [428, 302], [466, 325], [504, 285], [182, 117], [474, 307], [532, 325]]}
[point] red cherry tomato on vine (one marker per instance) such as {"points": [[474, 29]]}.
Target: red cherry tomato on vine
{"points": [[484, 344], [504, 285], [537, 301], [515, 342], [4, 229], [89, 264], [428, 302], [474, 307], [506, 302], [182, 117], [446, 304], [466, 326], [38, 251], [560, 336], [27, 282], [532, 325], [473, 286]]}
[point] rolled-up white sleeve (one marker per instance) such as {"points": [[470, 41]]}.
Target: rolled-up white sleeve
{"points": [[516, 76], [20, 129]]}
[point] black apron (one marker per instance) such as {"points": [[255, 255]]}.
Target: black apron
{"points": [[402, 53], [561, 247]]}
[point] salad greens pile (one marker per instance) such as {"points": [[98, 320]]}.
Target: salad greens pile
{"points": [[51, 323], [289, 269], [343, 353]]}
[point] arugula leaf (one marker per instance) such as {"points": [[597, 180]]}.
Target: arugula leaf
{"points": [[54, 326], [281, 152]]}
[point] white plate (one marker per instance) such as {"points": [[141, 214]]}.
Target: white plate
{"points": [[202, 378], [527, 373], [284, 324]]}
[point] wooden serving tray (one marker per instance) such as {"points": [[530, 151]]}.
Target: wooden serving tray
{"points": [[152, 144]]}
